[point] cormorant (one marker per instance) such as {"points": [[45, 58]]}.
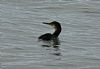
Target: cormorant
{"points": [[48, 36]]}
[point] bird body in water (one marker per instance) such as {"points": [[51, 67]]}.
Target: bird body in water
{"points": [[48, 36]]}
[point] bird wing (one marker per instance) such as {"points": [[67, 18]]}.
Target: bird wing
{"points": [[47, 36]]}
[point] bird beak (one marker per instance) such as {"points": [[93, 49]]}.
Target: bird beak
{"points": [[49, 24], [46, 23]]}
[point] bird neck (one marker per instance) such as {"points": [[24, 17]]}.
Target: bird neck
{"points": [[57, 32]]}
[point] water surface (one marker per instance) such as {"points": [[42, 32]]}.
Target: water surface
{"points": [[21, 24]]}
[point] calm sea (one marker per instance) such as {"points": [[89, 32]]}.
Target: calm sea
{"points": [[21, 24]]}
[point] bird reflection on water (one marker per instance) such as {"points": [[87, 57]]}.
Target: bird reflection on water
{"points": [[52, 40]]}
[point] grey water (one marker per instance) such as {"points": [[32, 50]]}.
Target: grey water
{"points": [[21, 25]]}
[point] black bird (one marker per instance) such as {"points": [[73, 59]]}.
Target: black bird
{"points": [[48, 36]]}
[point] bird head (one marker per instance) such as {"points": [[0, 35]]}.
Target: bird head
{"points": [[54, 24]]}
